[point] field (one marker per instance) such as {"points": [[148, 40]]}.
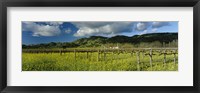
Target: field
{"points": [[100, 60]]}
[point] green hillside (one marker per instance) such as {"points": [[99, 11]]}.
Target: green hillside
{"points": [[145, 40]]}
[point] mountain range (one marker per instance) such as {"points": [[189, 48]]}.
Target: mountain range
{"points": [[121, 39]]}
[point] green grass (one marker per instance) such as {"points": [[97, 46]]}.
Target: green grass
{"points": [[112, 62]]}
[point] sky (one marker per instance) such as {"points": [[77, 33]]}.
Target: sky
{"points": [[57, 31]]}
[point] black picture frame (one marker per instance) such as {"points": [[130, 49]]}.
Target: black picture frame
{"points": [[100, 3]]}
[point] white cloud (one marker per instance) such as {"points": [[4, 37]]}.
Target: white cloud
{"points": [[68, 31], [101, 28], [141, 26], [86, 29], [154, 30], [41, 30], [159, 24], [54, 23], [143, 32]]}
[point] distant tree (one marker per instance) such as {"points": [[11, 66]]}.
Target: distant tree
{"points": [[143, 45], [127, 45], [64, 47], [156, 44], [141, 41], [24, 46]]}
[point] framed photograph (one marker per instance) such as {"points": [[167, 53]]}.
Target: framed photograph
{"points": [[135, 46]]}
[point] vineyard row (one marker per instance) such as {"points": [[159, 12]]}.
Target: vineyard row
{"points": [[102, 53]]}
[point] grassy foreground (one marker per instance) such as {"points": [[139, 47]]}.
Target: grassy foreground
{"points": [[113, 62]]}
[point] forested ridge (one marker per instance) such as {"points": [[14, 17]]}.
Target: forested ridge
{"points": [[145, 40]]}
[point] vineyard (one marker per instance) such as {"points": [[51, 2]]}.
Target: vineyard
{"points": [[77, 59]]}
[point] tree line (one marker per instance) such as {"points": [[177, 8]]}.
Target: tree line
{"points": [[136, 41]]}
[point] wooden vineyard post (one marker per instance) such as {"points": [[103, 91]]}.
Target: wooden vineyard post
{"points": [[98, 55], [87, 54], [60, 52], [112, 55], [174, 58], [91, 52], [138, 60], [104, 55], [164, 58], [75, 54], [150, 55], [117, 53], [163, 44], [131, 53], [142, 54]]}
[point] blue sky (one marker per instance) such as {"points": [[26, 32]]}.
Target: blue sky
{"points": [[57, 31]]}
